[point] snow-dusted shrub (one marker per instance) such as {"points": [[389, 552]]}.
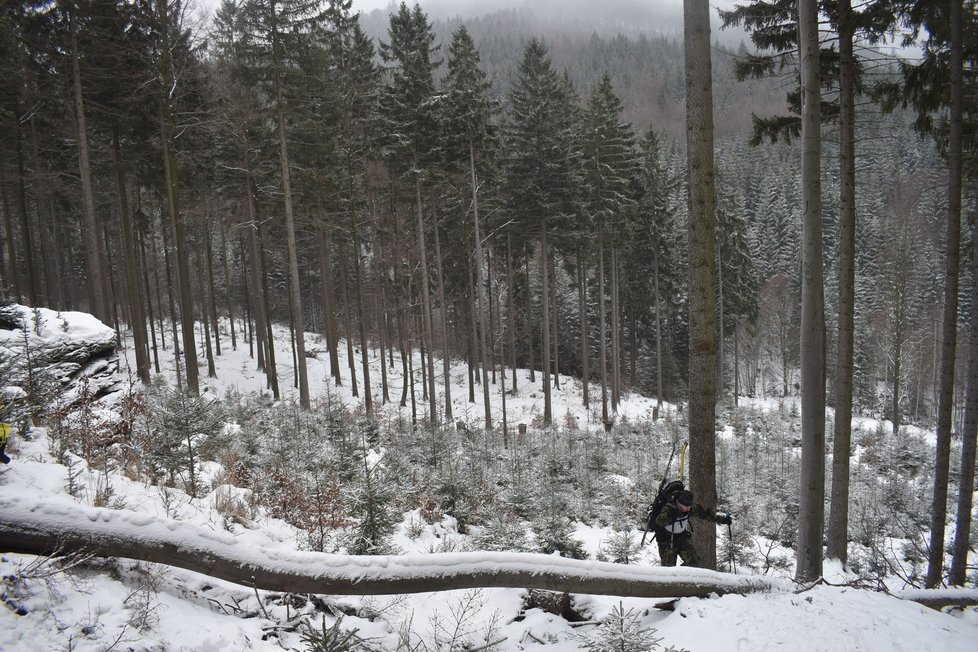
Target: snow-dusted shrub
{"points": [[555, 535], [330, 639], [504, 532], [180, 428], [370, 501], [621, 547], [622, 631]]}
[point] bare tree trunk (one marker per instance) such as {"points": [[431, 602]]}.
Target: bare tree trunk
{"points": [[658, 340], [811, 518], [53, 273], [212, 289], [348, 326], [268, 332], [501, 361], [472, 347], [159, 296], [966, 481], [428, 339], [603, 341], [256, 296], [149, 302], [13, 272], [615, 334], [838, 534], [33, 294], [555, 344], [228, 295], [736, 367], [168, 134], [368, 403], [446, 353], [721, 339], [511, 319], [383, 335], [582, 310], [897, 352], [545, 360], [942, 458], [531, 362], [93, 250], [482, 304], [173, 309], [332, 332], [295, 294], [702, 261], [138, 318], [205, 313]]}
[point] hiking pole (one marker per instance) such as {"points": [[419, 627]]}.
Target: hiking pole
{"points": [[733, 559]]}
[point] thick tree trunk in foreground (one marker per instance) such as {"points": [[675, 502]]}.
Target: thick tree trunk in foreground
{"points": [[945, 405], [811, 517], [41, 528], [702, 262], [842, 435], [969, 441]]}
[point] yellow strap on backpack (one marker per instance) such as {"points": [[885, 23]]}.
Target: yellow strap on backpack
{"points": [[682, 458]]}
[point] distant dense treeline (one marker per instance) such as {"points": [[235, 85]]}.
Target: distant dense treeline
{"points": [[506, 204]]}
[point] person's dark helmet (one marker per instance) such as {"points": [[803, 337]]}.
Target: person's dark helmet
{"points": [[685, 498]]}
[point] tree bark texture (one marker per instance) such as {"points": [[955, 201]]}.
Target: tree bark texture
{"points": [[545, 359], [966, 481], [702, 263], [168, 137], [842, 433], [482, 305], [428, 338], [812, 338], [295, 295], [93, 248], [945, 401], [137, 317]]}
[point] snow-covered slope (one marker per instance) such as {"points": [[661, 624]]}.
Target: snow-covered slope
{"points": [[126, 605]]}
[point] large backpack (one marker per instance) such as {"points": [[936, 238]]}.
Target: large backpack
{"points": [[666, 494]]}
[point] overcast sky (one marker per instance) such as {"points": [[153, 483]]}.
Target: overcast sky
{"points": [[441, 7]]}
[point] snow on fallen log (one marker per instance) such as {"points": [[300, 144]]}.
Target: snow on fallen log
{"points": [[940, 598], [39, 527]]}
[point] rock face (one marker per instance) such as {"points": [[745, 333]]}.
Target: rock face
{"points": [[69, 347]]}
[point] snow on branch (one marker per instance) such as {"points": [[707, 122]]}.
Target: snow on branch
{"points": [[39, 527]]}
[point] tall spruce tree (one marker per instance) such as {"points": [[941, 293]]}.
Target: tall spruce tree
{"points": [[610, 176], [656, 249], [469, 142], [410, 141], [540, 170], [279, 37]]}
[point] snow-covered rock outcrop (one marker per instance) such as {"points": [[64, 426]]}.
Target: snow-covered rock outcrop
{"points": [[68, 346]]}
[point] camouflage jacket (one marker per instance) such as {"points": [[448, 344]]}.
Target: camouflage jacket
{"points": [[674, 521]]}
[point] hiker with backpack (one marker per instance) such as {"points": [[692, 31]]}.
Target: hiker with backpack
{"points": [[673, 528]]}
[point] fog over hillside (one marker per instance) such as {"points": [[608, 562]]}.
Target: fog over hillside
{"points": [[609, 17]]}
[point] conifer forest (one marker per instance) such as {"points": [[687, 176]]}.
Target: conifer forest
{"points": [[718, 226]]}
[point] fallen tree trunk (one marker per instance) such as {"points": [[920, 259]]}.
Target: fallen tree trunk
{"points": [[940, 598], [41, 528]]}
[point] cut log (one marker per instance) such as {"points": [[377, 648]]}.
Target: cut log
{"points": [[41, 527]]}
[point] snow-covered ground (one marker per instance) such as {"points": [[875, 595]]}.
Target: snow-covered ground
{"points": [[126, 605]]}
